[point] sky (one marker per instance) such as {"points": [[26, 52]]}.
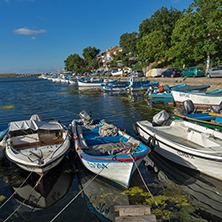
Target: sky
{"points": [[38, 35]]}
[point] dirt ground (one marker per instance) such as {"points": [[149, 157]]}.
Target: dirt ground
{"points": [[215, 83]]}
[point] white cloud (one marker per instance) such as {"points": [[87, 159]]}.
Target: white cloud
{"points": [[27, 31], [33, 37]]}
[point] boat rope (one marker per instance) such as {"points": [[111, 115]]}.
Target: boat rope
{"points": [[147, 187], [16, 191], [87, 184], [24, 200]]}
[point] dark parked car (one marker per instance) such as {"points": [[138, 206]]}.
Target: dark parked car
{"points": [[138, 73], [171, 72], [215, 72]]}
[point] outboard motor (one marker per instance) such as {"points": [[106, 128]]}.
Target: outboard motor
{"points": [[150, 90], [217, 109], [188, 107], [160, 118], [84, 115], [166, 88]]}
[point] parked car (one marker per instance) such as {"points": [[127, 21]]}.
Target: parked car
{"points": [[171, 72], [193, 71], [138, 73], [215, 72]]}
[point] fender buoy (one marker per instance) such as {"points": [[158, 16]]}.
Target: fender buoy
{"points": [[151, 142], [160, 89], [135, 129]]}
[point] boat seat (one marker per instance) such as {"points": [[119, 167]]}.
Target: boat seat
{"points": [[32, 140]]}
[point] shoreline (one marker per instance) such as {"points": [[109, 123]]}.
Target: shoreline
{"points": [[215, 83]]}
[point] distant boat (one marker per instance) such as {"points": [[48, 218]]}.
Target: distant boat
{"points": [[36, 145], [91, 82], [105, 150], [133, 84]]}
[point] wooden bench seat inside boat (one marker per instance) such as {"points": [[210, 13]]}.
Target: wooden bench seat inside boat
{"points": [[32, 140]]}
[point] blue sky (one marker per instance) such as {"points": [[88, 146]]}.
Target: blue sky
{"points": [[38, 35]]}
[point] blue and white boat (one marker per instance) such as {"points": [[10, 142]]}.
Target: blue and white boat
{"points": [[106, 151], [133, 84], [165, 93]]}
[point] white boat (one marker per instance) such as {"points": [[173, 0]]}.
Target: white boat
{"points": [[105, 150], [36, 145], [91, 82], [185, 143], [210, 98]]}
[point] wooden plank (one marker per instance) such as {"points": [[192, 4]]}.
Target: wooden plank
{"points": [[144, 218], [133, 210]]}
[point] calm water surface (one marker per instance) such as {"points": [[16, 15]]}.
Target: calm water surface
{"points": [[23, 97]]}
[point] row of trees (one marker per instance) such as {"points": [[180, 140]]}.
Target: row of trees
{"points": [[168, 38]]}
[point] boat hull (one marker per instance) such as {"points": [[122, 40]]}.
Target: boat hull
{"points": [[198, 99], [181, 154], [117, 168]]}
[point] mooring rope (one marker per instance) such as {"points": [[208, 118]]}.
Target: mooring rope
{"points": [[87, 184], [24, 200], [15, 191], [147, 186]]}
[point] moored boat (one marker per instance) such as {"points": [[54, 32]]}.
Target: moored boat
{"points": [[185, 143], [164, 92], [205, 99], [107, 151], [133, 84], [36, 145], [91, 82]]}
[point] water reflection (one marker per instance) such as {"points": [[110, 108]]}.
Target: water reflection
{"points": [[205, 191], [32, 193], [100, 195]]}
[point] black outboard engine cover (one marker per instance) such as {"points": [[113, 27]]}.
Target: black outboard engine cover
{"points": [[188, 107], [217, 109], [166, 88], [160, 118]]}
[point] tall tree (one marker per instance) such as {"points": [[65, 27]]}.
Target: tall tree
{"points": [[74, 63], [163, 20], [152, 47], [90, 55], [197, 34], [128, 41]]}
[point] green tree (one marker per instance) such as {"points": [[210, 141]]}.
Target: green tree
{"points": [[90, 55], [197, 35], [74, 63], [163, 20], [152, 47], [128, 42]]}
